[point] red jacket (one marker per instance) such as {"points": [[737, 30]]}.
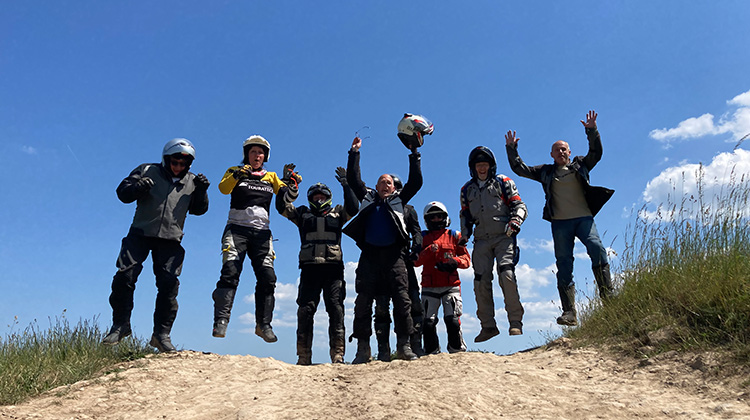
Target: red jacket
{"points": [[447, 247]]}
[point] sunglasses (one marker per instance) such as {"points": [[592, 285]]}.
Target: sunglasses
{"points": [[178, 163]]}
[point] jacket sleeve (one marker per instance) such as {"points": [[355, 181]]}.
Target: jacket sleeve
{"points": [[354, 177], [462, 254], [414, 230], [285, 203], [518, 166], [351, 204], [127, 191], [198, 202], [595, 148], [467, 220], [414, 183], [228, 181], [513, 199]]}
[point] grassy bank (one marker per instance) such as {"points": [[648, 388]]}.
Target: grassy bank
{"points": [[35, 360], [684, 280]]}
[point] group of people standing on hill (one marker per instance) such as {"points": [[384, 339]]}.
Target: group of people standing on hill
{"points": [[384, 226]]}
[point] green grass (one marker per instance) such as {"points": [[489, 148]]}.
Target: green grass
{"points": [[684, 280], [34, 360]]}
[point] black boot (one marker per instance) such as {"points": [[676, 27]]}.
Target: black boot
{"points": [[117, 333], [603, 281], [455, 337], [338, 346], [383, 335], [266, 333], [220, 328], [364, 354], [403, 348], [162, 342], [568, 302], [430, 337], [223, 301], [416, 339]]}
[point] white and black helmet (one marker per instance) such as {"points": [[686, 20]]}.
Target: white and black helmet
{"points": [[256, 140], [412, 129], [432, 208], [178, 146]]}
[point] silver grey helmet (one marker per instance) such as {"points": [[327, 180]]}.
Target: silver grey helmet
{"points": [[178, 146]]}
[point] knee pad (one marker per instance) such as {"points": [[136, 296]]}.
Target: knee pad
{"points": [[506, 267]]}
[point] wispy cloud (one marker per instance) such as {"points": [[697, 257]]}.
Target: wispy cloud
{"points": [[29, 150], [736, 123]]}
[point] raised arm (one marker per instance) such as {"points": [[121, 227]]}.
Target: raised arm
{"points": [[414, 183], [595, 141], [517, 164], [353, 175], [351, 204]]}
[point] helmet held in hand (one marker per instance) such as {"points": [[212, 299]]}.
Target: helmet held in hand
{"points": [[412, 129]]}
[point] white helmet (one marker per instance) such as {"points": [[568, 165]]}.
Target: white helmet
{"points": [[178, 146], [432, 208], [412, 128], [256, 140]]}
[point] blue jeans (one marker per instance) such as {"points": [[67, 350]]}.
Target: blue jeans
{"points": [[564, 233]]}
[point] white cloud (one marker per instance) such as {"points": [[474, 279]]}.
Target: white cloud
{"points": [[532, 280], [29, 150], [678, 185], [743, 99], [737, 123], [690, 128], [537, 245]]}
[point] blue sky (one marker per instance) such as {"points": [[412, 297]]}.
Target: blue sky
{"points": [[89, 90]]}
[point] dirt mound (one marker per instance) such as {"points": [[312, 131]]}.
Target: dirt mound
{"points": [[553, 383]]}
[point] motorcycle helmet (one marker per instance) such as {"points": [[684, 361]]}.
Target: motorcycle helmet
{"points": [[178, 147], [482, 154], [436, 208], [412, 129], [319, 188], [256, 140]]}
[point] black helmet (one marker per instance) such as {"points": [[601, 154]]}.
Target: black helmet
{"points": [[482, 154], [319, 188], [397, 182], [432, 208]]}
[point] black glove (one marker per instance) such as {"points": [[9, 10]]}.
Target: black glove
{"points": [[341, 175], [243, 172], [513, 226], [463, 241], [448, 266], [144, 185], [201, 182], [289, 177]]}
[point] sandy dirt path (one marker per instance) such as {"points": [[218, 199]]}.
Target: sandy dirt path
{"points": [[553, 383]]}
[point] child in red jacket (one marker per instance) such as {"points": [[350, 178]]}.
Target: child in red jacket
{"points": [[441, 257]]}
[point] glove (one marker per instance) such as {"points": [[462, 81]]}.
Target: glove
{"points": [[289, 176], [144, 185], [243, 172], [513, 226], [463, 241], [341, 175], [448, 266], [201, 182]]}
